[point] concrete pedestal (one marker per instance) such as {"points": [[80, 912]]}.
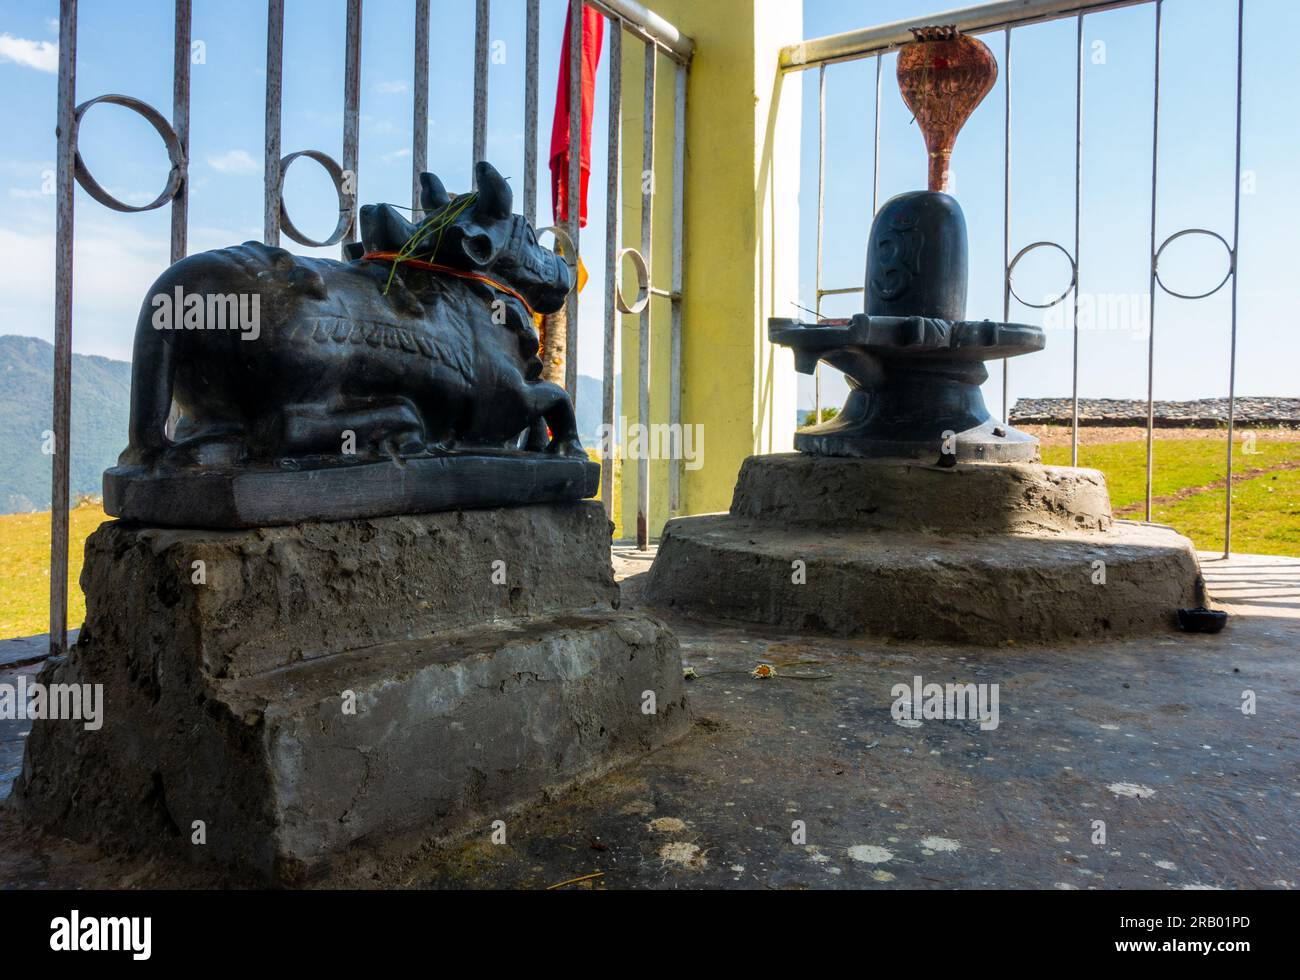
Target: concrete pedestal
{"points": [[285, 694], [979, 553]]}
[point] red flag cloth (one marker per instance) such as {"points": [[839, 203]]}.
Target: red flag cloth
{"points": [[593, 36]]}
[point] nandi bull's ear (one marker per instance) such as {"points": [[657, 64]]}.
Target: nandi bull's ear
{"points": [[479, 248], [495, 199], [433, 196], [383, 229]]}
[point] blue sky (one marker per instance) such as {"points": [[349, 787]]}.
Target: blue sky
{"points": [[126, 48], [1196, 181]]}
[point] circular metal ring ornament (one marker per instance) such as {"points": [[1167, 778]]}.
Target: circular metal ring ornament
{"points": [[1232, 262], [1074, 274], [346, 204], [155, 119], [642, 282], [566, 250]]}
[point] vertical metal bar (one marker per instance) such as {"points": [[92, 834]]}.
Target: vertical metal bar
{"points": [[675, 347], [875, 156], [351, 116], [482, 22], [532, 31], [420, 122], [609, 448], [181, 124], [1151, 329], [821, 218], [577, 12], [1232, 357], [1078, 199], [62, 407], [271, 161], [643, 336], [1006, 201]]}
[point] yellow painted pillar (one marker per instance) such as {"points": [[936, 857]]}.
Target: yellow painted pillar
{"points": [[741, 254]]}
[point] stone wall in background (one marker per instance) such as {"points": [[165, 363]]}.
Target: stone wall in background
{"points": [[1203, 412]]}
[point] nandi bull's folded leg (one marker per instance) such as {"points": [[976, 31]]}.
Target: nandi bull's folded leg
{"points": [[550, 402], [538, 436], [365, 428]]}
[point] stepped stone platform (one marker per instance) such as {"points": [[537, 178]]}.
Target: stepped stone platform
{"points": [[974, 553], [293, 694]]}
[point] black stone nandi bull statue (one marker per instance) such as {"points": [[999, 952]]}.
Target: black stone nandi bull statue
{"points": [[418, 355]]}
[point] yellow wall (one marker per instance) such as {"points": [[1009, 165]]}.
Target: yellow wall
{"points": [[741, 242]]}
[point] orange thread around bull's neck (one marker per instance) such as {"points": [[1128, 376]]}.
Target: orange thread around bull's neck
{"points": [[451, 271]]}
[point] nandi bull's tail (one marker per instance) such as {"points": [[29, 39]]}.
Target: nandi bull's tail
{"points": [[153, 368]]}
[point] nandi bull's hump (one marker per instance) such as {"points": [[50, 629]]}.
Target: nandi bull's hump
{"points": [[321, 325]]}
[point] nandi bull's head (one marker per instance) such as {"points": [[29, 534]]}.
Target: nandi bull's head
{"points": [[479, 233]]}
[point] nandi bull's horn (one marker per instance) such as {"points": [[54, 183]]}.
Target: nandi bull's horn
{"points": [[433, 195], [495, 199]]}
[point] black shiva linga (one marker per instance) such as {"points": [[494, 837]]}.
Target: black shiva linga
{"points": [[402, 381], [914, 364]]}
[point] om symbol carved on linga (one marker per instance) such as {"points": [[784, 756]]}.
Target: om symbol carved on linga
{"points": [[899, 249]]}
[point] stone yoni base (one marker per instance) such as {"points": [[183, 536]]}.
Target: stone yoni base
{"points": [[977, 553], [381, 716]]}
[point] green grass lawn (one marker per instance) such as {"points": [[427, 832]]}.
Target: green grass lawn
{"points": [[1265, 516], [25, 569], [1265, 509]]}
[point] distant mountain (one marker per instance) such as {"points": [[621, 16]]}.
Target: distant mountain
{"points": [[588, 409], [101, 390], [100, 407]]}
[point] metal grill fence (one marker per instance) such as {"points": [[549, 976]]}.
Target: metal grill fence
{"points": [[1006, 16], [661, 40]]}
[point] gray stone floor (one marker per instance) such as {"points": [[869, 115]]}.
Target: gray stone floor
{"points": [[24, 650], [1146, 735]]}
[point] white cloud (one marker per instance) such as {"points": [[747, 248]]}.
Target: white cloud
{"points": [[113, 270], [391, 88], [235, 162], [24, 169], [396, 155], [132, 197], [41, 55]]}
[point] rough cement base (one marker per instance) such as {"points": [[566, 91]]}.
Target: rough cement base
{"points": [[272, 597], [900, 495], [913, 586], [977, 553], [291, 752]]}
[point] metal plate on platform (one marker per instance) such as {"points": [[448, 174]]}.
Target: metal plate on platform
{"points": [[241, 498], [871, 438]]}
